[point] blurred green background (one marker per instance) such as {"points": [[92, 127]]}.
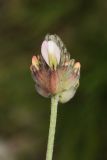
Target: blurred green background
{"points": [[24, 115]]}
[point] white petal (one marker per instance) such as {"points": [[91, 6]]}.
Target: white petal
{"points": [[44, 51], [54, 50]]}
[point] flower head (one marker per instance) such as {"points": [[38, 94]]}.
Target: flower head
{"points": [[53, 71]]}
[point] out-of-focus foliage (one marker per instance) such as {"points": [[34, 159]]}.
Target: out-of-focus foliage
{"points": [[24, 115]]}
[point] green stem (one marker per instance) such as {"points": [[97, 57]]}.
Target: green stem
{"points": [[52, 127]]}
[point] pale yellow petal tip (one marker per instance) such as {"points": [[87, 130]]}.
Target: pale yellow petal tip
{"points": [[35, 62], [77, 65]]}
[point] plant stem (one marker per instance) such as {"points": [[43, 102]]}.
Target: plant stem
{"points": [[52, 127]]}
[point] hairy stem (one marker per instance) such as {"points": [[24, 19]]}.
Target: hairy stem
{"points": [[52, 127]]}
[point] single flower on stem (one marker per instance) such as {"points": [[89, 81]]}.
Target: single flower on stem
{"points": [[56, 75]]}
